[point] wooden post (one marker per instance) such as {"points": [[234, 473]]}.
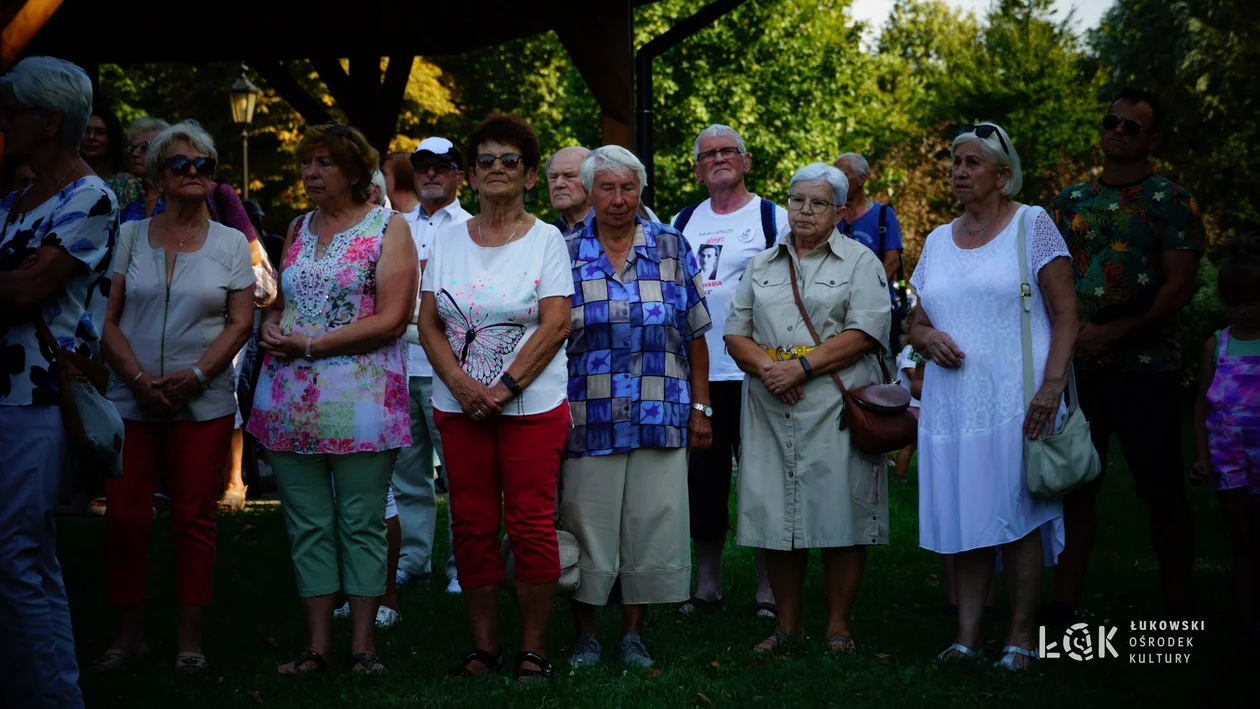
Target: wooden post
{"points": [[599, 41]]}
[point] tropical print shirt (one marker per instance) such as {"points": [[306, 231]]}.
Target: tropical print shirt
{"points": [[629, 372], [82, 220], [1116, 235]]}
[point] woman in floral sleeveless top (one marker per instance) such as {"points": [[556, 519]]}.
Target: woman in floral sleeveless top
{"points": [[331, 403]]}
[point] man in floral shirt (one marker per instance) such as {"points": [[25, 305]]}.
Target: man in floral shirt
{"points": [[1136, 239]]}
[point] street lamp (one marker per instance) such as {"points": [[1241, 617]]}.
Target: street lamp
{"points": [[244, 96]]}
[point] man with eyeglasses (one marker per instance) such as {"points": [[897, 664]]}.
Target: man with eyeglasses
{"points": [[1136, 239], [437, 165], [728, 228]]}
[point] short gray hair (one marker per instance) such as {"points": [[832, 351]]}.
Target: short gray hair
{"points": [[611, 158], [547, 169], [992, 148], [827, 173], [52, 84], [190, 131], [145, 124], [717, 130], [860, 166]]}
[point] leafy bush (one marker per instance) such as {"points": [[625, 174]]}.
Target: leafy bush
{"points": [[1197, 321]]}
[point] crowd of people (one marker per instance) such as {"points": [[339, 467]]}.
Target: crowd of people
{"points": [[607, 375]]}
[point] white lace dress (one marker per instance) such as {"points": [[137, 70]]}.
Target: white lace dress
{"points": [[971, 443]]}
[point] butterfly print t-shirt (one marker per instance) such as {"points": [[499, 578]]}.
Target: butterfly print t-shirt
{"points": [[487, 299]]}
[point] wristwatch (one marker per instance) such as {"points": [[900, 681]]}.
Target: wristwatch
{"points": [[703, 408]]}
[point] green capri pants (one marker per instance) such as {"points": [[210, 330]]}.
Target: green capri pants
{"points": [[319, 521]]}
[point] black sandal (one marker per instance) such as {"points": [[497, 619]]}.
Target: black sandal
{"points": [[763, 606], [695, 605], [544, 671], [463, 669], [321, 665], [368, 662]]}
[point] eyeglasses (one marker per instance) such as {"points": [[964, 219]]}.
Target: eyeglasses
{"points": [[983, 131], [485, 161], [727, 153], [141, 147], [180, 164], [423, 165], [1131, 127], [797, 204]]}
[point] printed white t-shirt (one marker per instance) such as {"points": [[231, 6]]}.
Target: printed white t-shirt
{"points": [[724, 244], [423, 230], [488, 300]]}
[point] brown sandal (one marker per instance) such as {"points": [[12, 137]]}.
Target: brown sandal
{"points": [[368, 663], [775, 644], [840, 645], [305, 657]]}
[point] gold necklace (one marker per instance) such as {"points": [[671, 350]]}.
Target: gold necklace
{"points": [[481, 241]]}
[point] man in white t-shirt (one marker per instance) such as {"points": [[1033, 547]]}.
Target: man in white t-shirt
{"points": [[437, 168], [725, 231]]}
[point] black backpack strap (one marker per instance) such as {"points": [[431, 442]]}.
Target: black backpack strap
{"points": [[768, 227], [883, 229], [684, 216]]}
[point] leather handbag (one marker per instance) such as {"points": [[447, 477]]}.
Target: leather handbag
{"points": [[877, 416], [92, 424], [1060, 462]]}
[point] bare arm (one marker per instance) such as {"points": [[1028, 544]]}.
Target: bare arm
{"points": [[840, 351], [892, 261], [932, 343], [747, 354], [471, 394], [699, 428], [1059, 295], [240, 322], [1202, 468], [117, 349], [916, 381], [554, 323]]}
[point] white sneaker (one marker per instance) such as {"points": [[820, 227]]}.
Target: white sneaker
{"points": [[342, 612], [387, 617], [454, 588]]}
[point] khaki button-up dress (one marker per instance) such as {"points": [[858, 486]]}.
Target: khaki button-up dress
{"points": [[801, 483]]}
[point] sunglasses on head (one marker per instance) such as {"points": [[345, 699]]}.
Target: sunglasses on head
{"points": [[983, 131], [485, 161], [181, 164], [1131, 127]]}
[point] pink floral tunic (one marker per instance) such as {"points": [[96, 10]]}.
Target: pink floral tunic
{"points": [[347, 403]]}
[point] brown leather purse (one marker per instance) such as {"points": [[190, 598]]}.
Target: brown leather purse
{"points": [[877, 416]]}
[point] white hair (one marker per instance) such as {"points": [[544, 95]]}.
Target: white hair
{"points": [[52, 84], [547, 169], [827, 173], [189, 131], [378, 180], [144, 125], [611, 158], [992, 148], [857, 162], [717, 130]]}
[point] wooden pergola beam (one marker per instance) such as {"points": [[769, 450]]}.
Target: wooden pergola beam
{"points": [[599, 40], [22, 19]]}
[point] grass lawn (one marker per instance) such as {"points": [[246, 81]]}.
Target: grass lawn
{"points": [[255, 624]]}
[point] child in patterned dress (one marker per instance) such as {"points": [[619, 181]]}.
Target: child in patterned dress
{"points": [[1227, 417]]}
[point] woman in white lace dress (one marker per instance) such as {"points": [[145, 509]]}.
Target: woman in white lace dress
{"points": [[972, 496]]}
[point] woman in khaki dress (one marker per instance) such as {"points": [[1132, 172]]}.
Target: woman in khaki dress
{"points": [[802, 484]]}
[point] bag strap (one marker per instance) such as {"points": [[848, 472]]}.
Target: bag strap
{"points": [[1025, 323], [768, 226], [45, 336], [684, 216], [809, 324]]}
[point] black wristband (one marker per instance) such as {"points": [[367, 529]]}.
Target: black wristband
{"points": [[809, 371], [511, 384]]}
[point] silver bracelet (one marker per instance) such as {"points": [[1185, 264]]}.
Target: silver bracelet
{"points": [[201, 376], [137, 377]]}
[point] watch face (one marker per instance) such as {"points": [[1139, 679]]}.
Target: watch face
{"points": [[708, 411]]}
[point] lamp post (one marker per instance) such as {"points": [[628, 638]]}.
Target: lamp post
{"points": [[244, 96]]}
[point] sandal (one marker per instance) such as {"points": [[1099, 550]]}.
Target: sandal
{"points": [[961, 650], [189, 663], [113, 660], [766, 610], [368, 662], [233, 501], [775, 644], [521, 674], [95, 508], [840, 645], [695, 604], [305, 657], [1010, 658], [464, 668]]}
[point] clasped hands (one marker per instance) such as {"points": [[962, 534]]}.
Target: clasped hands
{"points": [[292, 345], [479, 401], [784, 380], [165, 396]]}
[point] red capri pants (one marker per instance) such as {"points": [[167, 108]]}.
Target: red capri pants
{"points": [[504, 468], [191, 454]]}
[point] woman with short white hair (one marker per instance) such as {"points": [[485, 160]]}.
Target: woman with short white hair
{"points": [[56, 244], [802, 483], [181, 306], [639, 392], [972, 496], [143, 201]]}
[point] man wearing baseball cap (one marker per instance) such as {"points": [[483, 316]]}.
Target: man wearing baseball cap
{"points": [[437, 165]]}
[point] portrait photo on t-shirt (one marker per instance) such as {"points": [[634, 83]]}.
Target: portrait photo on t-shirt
{"points": [[709, 255]]}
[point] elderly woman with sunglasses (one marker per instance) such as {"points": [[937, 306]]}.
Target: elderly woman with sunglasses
{"points": [[972, 496], [181, 306], [494, 315], [331, 402], [802, 483]]}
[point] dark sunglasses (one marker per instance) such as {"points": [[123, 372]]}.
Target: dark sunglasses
{"points": [[423, 165], [180, 164], [1131, 127], [485, 161], [983, 132]]}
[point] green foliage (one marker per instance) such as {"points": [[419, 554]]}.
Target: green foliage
{"points": [[1197, 321]]}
